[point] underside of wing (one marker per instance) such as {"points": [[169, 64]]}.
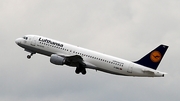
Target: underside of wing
{"points": [[74, 60]]}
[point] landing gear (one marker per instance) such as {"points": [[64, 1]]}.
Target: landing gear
{"points": [[78, 70], [29, 56], [82, 70]]}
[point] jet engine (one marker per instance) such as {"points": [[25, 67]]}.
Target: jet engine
{"points": [[57, 60]]}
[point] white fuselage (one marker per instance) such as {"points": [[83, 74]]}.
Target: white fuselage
{"points": [[98, 61]]}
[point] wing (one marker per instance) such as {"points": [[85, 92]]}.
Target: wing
{"points": [[74, 60]]}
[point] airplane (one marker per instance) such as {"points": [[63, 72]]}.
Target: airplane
{"points": [[61, 53]]}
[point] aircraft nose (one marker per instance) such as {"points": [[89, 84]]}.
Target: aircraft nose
{"points": [[17, 41]]}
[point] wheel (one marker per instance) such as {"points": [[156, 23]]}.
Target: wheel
{"points": [[29, 56], [77, 71], [83, 71]]}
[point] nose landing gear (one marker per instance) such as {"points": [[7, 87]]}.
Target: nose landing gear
{"points": [[29, 56]]}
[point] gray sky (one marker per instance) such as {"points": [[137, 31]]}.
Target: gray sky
{"points": [[128, 29]]}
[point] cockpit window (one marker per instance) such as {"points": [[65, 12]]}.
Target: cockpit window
{"points": [[25, 38]]}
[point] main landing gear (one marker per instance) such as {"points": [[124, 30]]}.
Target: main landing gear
{"points": [[29, 56], [82, 70]]}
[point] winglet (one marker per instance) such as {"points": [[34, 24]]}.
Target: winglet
{"points": [[153, 58]]}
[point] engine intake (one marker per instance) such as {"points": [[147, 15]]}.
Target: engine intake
{"points": [[57, 60]]}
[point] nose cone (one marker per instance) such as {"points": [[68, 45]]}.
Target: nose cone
{"points": [[17, 41]]}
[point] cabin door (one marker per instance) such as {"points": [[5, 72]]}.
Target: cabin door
{"points": [[33, 41]]}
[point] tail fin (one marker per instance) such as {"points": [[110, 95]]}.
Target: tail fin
{"points": [[153, 58]]}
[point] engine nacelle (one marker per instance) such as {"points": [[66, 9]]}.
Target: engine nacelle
{"points": [[57, 60]]}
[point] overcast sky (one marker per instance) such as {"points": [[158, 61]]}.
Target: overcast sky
{"points": [[127, 29]]}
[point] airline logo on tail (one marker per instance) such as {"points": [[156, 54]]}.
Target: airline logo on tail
{"points": [[155, 56]]}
